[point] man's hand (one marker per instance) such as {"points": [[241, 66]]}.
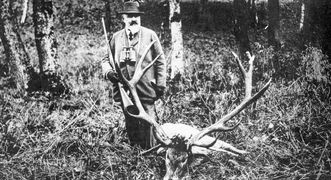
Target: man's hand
{"points": [[113, 77]]}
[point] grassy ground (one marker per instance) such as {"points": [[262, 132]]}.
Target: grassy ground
{"points": [[81, 135]]}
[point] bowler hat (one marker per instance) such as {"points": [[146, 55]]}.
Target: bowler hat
{"points": [[131, 8]]}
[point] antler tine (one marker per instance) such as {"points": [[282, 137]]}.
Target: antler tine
{"points": [[137, 75], [248, 76], [220, 124], [138, 71]]}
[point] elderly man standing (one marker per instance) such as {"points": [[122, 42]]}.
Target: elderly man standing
{"points": [[127, 46]]}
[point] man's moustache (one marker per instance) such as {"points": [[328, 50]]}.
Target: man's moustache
{"points": [[133, 23]]}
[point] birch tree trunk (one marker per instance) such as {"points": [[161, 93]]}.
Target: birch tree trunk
{"points": [[274, 24], [309, 21], [302, 14], [177, 60], [46, 44], [25, 10], [17, 57]]}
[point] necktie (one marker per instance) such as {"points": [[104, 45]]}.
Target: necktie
{"points": [[130, 36]]}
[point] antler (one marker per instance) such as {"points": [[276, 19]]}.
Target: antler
{"points": [[249, 99], [136, 109]]}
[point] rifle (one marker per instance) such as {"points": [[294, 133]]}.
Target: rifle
{"points": [[110, 56]]}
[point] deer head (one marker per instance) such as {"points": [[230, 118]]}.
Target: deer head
{"points": [[181, 141]]}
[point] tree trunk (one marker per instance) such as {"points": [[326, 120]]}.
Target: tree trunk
{"points": [[177, 60], [241, 25], [16, 56], [108, 15], [315, 24], [326, 28], [307, 29], [164, 6], [274, 24], [25, 10], [205, 18], [253, 11], [49, 78], [46, 44], [111, 8], [302, 15]]}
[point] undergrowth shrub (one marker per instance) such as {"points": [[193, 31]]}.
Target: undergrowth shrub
{"points": [[295, 118]]}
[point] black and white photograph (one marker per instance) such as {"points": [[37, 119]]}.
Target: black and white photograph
{"points": [[165, 89]]}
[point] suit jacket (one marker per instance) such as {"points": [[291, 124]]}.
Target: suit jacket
{"points": [[155, 75]]}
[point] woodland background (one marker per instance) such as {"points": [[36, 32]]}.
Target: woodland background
{"points": [[66, 126]]}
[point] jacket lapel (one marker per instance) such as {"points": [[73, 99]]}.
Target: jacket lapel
{"points": [[120, 42]]}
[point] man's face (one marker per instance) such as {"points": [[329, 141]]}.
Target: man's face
{"points": [[132, 22]]}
